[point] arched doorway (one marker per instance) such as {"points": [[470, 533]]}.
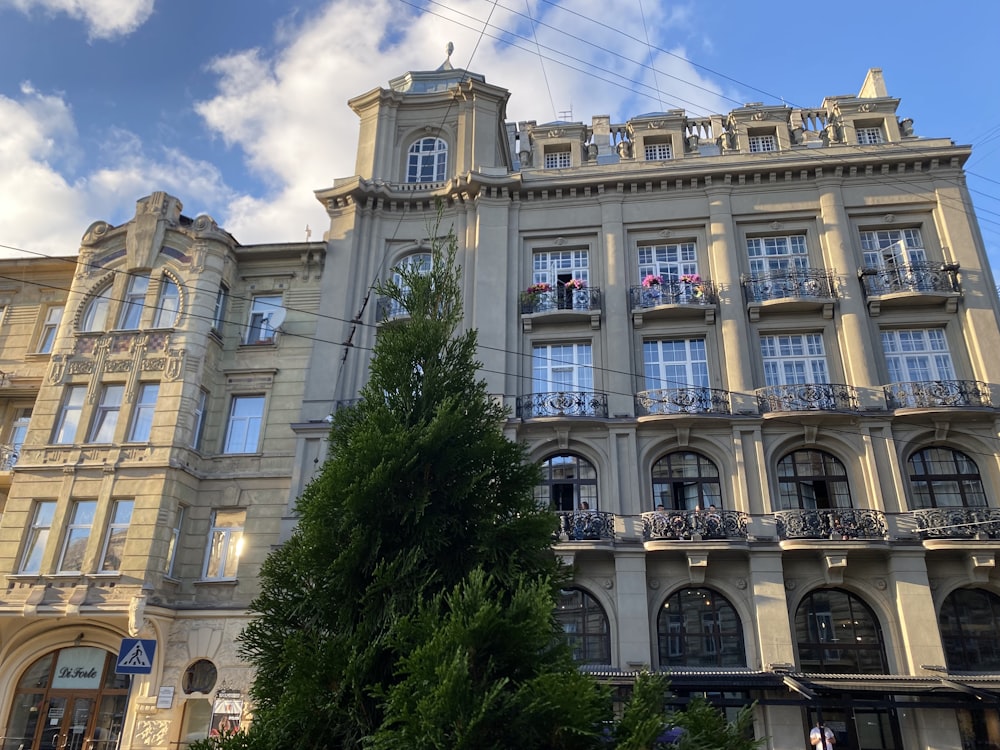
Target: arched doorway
{"points": [[70, 699]]}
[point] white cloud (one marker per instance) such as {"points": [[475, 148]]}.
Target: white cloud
{"points": [[105, 19]]}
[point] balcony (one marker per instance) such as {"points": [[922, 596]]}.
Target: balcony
{"points": [[833, 523], [563, 404], [561, 306], [8, 457], [386, 309], [673, 299], [912, 285], [684, 400], [585, 525], [809, 397], [935, 394], [694, 525], [790, 290], [958, 523]]}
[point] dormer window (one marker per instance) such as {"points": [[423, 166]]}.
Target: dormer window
{"points": [[558, 157], [869, 136], [659, 149], [761, 141], [427, 160]]}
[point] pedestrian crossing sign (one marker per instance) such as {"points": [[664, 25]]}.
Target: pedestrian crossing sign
{"points": [[135, 656]]}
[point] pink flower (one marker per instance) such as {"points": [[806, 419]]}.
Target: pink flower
{"points": [[652, 280]]}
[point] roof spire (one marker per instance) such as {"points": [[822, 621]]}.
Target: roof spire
{"points": [[446, 65]]}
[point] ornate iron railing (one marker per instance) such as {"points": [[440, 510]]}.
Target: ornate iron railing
{"points": [[8, 457], [561, 299], [674, 293], [958, 523], [808, 397], [690, 524], [580, 525], [563, 404], [684, 400], [913, 277], [792, 283], [932, 393], [833, 523], [386, 308]]}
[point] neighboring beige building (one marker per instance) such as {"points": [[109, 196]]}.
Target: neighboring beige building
{"points": [[777, 324]]}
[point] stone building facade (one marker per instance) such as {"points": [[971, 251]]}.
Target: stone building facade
{"points": [[751, 352]]}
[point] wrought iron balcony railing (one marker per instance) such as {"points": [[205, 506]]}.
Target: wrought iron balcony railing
{"points": [[935, 393], [692, 524], [585, 299], [674, 293], [833, 523], [8, 457], [563, 404], [386, 308], [808, 397], [958, 523], [684, 400], [584, 525], [913, 277], [792, 283]]}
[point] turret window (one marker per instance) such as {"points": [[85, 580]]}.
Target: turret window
{"points": [[427, 161]]}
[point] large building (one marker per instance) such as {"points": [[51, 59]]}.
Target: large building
{"points": [[751, 352]]}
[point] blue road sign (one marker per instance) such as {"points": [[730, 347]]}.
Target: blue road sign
{"points": [[136, 656]]}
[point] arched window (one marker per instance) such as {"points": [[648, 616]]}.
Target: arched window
{"points": [[699, 628], [421, 263], [568, 483], [686, 481], [427, 160], [585, 626], [970, 631], [168, 304], [836, 632], [95, 314], [942, 478], [812, 480]]}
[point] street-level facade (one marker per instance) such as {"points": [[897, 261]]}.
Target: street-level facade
{"points": [[751, 353]]}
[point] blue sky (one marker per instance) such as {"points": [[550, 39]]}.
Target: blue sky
{"points": [[239, 108]]}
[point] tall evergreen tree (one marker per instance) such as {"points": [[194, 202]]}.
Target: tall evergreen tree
{"points": [[423, 505]]}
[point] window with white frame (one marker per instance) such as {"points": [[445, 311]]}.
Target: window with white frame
{"points": [[168, 304], [135, 300], [95, 314], [675, 364], [427, 160], [917, 355], [68, 421], [38, 537], [669, 261], [888, 248], [562, 367], [658, 150], [869, 136], [81, 520], [175, 535], [558, 157], [200, 412], [761, 142], [246, 415], [777, 253], [106, 415], [225, 545], [558, 267], [47, 337], [793, 359], [218, 315], [142, 416], [18, 433], [262, 312], [114, 539]]}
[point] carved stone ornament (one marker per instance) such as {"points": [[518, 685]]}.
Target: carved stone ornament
{"points": [[889, 218], [758, 116], [654, 583], [95, 232], [880, 584], [175, 363], [555, 133], [868, 107], [152, 732], [664, 233], [790, 584], [57, 368], [741, 583], [776, 225]]}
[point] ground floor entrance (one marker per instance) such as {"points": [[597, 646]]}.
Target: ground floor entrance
{"points": [[69, 699]]}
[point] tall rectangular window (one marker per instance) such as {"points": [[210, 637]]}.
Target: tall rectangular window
{"points": [[259, 327], [669, 262], [18, 433], [135, 299], [889, 248], [74, 549], [106, 415], [175, 536], [245, 418], [168, 305], [38, 536], [53, 316], [145, 408], [562, 367], [675, 363], [794, 359], [68, 421], [777, 253], [114, 540], [219, 314], [225, 545], [917, 355], [200, 413]]}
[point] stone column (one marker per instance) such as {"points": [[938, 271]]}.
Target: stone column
{"points": [[616, 378], [634, 649]]}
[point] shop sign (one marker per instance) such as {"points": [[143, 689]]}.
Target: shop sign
{"points": [[79, 668]]}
